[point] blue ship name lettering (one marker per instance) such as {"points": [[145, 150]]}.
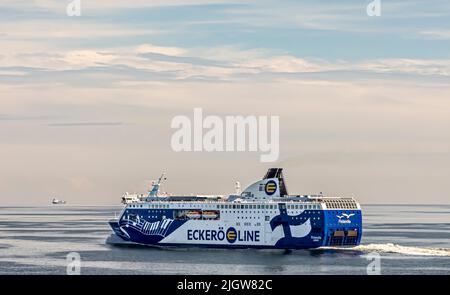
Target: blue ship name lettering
{"points": [[219, 235]]}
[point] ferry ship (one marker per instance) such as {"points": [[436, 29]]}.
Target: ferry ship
{"points": [[263, 215]]}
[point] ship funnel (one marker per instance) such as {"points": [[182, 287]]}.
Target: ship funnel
{"points": [[271, 186], [277, 173]]}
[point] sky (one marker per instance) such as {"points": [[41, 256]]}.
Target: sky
{"points": [[86, 102]]}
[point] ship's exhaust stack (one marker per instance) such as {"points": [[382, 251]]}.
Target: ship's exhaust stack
{"points": [[278, 173]]}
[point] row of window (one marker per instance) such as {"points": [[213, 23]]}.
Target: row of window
{"points": [[236, 206], [257, 212], [159, 206], [338, 204], [250, 217], [250, 206], [249, 212], [294, 218], [243, 212]]}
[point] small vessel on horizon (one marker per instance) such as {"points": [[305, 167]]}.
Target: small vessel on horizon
{"points": [[55, 201]]}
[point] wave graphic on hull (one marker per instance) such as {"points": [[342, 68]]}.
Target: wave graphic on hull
{"points": [[302, 230], [148, 228], [394, 248]]}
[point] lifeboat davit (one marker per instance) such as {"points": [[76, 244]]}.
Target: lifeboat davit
{"points": [[209, 215], [193, 214]]}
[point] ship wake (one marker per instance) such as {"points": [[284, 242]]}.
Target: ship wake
{"points": [[405, 250]]}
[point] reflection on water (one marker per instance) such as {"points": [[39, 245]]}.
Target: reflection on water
{"points": [[36, 240]]}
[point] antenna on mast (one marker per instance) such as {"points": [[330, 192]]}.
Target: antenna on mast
{"points": [[155, 186], [238, 188]]}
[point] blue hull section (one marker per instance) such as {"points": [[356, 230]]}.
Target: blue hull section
{"points": [[338, 228]]}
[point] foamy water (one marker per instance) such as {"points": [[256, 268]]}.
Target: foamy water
{"points": [[393, 248]]}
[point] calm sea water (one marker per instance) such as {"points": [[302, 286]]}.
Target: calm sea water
{"points": [[410, 239]]}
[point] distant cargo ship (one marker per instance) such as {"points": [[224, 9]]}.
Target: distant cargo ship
{"points": [[56, 201], [264, 215]]}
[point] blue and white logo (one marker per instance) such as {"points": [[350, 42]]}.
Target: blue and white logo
{"points": [[345, 218]]}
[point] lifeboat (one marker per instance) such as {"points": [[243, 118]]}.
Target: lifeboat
{"points": [[209, 215], [193, 214]]}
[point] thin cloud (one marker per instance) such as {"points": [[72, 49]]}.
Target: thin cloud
{"points": [[436, 34], [14, 117], [85, 124], [109, 67]]}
